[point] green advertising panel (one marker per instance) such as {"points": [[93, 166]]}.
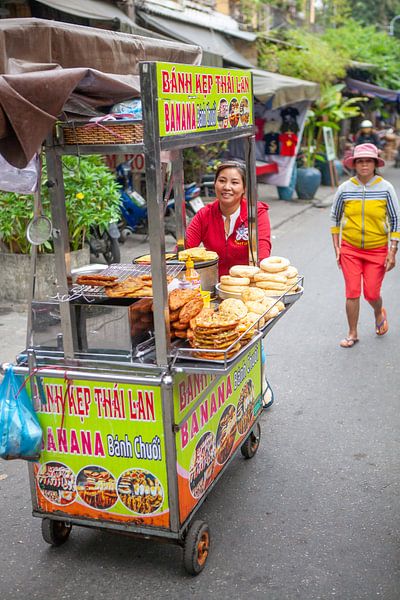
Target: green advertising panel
{"points": [[213, 421], [197, 99], [103, 451]]}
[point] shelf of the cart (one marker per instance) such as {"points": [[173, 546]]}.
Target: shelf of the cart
{"points": [[104, 149]]}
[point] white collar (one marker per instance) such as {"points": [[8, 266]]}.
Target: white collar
{"points": [[233, 218]]}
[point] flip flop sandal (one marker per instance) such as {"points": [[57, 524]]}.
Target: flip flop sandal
{"points": [[268, 397], [382, 327], [348, 342]]}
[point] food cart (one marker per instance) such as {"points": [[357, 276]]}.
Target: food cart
{"points": [[137, 429]]}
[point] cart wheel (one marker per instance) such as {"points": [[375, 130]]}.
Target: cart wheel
{"points": [[55, 533], [196, 548], [252, 442]]}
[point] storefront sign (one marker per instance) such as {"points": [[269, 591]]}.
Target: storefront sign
{"points": [[211, 431], [329, 143], [197, 99], [103, 452], [137, 164]]}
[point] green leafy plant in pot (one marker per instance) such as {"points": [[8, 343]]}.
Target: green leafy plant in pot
{"points": [[328, 111], [308, 176]]}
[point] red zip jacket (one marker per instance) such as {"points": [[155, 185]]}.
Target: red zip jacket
{"points": [[207, 227]]}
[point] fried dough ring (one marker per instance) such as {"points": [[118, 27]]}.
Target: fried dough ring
{"points": [[271, 285], [272, 277], [291, 272], [274, 264], [228, 280], [233, 289], [243, 271]]}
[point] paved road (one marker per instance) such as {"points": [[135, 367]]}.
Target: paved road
{"points": [[314, 515]]}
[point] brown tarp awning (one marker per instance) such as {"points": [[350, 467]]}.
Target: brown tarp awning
{"points": [[282, 90], [48, 67]]}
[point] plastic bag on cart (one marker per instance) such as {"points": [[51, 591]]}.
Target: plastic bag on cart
{"points": [[20, 181], [20, 431]]}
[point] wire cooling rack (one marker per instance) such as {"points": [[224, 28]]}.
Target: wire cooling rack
{"points": [[122, 271]]}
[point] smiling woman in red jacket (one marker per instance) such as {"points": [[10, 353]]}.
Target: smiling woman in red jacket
{"points": [[222, 225]]}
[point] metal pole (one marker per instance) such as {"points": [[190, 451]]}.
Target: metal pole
{"points": [[251, 193], [170, 451], [391, 24], [155, 208], [61, 244], [179, 196]]}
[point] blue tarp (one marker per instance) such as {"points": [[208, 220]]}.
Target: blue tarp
{"points": [[372, 91]]}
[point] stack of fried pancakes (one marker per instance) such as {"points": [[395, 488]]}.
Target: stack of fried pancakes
{"points": [[213, 331], [183, 305]]}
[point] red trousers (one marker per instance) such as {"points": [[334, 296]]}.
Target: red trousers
{"points": [[364, 268]]}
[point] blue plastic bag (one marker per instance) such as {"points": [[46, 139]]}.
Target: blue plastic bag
{"points": [[20, 431]]}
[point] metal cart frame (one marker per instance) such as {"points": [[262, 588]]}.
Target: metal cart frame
{"points": [[166, 363]]}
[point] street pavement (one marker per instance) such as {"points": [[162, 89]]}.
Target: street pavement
{"points": [[314, 515]]}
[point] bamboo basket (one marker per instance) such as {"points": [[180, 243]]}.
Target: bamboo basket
{"points": [[107, 132]]}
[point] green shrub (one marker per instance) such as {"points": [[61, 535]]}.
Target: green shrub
{"points": [[92, 197]]}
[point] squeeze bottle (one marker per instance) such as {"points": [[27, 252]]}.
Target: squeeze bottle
{"points": [[192, 276]]}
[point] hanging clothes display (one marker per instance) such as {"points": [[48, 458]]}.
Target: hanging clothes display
{"points": [[272, 143], [288, 143]]}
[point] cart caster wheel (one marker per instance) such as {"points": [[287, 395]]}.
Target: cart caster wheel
{"points": [[252, 442], [196, 548], [55, 533]]}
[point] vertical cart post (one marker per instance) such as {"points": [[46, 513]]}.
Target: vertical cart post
{"points": [[251, 192], [155, 207], [61, 245], [179, 197]]}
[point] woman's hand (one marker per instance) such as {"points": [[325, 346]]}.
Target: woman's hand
{"points": [[337, 252], [336, 247], [390, 261]]}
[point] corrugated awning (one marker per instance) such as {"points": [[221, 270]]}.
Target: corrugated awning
{"points": [[210, 40], [97, 10], [201, 16], [89, 9], [371, 90], [282, 90]]}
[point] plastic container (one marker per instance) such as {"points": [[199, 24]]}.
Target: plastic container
{"points": [[206, 295]]}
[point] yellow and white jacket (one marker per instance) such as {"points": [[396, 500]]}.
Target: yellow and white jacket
{"points": [[367, 216]]}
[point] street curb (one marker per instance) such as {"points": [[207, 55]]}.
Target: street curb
{"points": [[291, 217]]}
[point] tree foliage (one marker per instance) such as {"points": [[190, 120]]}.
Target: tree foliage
{"points": [[366, 44], [334, 13], [328, 111], [324, 57], [310, 57], [372, 11]]}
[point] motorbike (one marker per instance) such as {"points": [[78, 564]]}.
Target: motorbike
{"points": [[105, 243], [134, 206], [193, 200]]}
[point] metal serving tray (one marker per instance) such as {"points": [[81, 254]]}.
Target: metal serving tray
{"points": [[121, 271]]}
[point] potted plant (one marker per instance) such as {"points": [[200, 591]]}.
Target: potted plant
{"points": [[92, 198], [328, 111], [308, 176], [202, 160], [286, 192]]}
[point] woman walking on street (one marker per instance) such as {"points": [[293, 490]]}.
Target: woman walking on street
{"points": [[365, 234]]}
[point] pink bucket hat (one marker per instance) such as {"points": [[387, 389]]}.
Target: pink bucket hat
{"points": [[364, 151]]}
